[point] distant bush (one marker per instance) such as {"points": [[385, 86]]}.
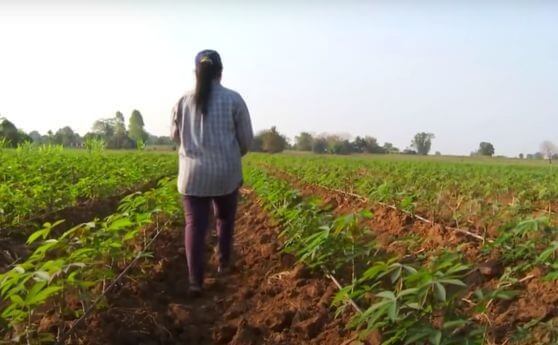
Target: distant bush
{"points": [[319, 146], [269, 140]]}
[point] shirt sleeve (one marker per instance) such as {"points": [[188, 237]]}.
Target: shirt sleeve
{"points": [[243, 126], [175, 122]]}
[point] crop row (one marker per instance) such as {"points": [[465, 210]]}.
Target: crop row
{"points": [[400, 298], [413, 299], [43, 180], [69, 274], [470, 195]]}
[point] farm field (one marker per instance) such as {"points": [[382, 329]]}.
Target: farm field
{"points": [[463, 192], [432, 251], [119, 276], [35, 182], [330, 250]]}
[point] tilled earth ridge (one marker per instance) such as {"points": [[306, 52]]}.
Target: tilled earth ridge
{"points": [[266, 299]]}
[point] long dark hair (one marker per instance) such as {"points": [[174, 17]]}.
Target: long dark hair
{"points": [[208, 69]]}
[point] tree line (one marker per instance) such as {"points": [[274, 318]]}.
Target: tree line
{"points": [[272, 141], [113, 132]]}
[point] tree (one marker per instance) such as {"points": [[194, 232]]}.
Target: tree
{"points": [[136, 129], [11, 135], [113, 131], [303, 142], [548, 149], [359, 145], [257, 144], [340, 147], [409, 151], [486, 149], [120, 137], [119, 117], [372, 145], [521, 156], [36, 137], [319, 146], [389, 148], [422, 142], [8, 132], [272, 141], [367, 145], [105, 128], [67, 137], [49, 138], [23, 137]]}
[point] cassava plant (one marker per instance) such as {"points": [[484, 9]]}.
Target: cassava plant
{"points": [[80, 262]]}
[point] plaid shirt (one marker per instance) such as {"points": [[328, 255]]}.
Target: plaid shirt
{"points": [[211, 145]]}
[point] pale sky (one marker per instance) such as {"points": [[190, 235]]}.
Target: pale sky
{"points": [[468, 71]]}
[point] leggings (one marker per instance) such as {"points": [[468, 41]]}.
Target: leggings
{"points": [[197, 213]]}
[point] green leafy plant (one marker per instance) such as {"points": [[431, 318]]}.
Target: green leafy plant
{"points": [[526, 243], [79, 260], [93, 144], [38, 181], [418, 307], [455, 191]]}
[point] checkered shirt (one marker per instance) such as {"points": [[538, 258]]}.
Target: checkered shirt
{"points": [[211, 145]]}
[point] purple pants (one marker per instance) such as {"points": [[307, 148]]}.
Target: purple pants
{"points": [[197, 213]]}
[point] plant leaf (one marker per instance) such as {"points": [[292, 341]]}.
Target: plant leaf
{"points": [[439, 292]]}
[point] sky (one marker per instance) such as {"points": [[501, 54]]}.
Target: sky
{"points": [[467, 71]]}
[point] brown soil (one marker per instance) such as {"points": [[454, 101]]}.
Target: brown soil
{"points": [[538, 300], [266, 299]]}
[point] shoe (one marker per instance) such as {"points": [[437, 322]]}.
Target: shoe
{"points": [[223, 270], [195, 290]]}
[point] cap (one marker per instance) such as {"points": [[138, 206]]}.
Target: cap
{"points": [[208, 56]]}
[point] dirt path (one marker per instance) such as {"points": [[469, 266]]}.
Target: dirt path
{"points": [[266, 300]]}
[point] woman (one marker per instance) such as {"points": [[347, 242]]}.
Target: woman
{"points": [[212, 126]]}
